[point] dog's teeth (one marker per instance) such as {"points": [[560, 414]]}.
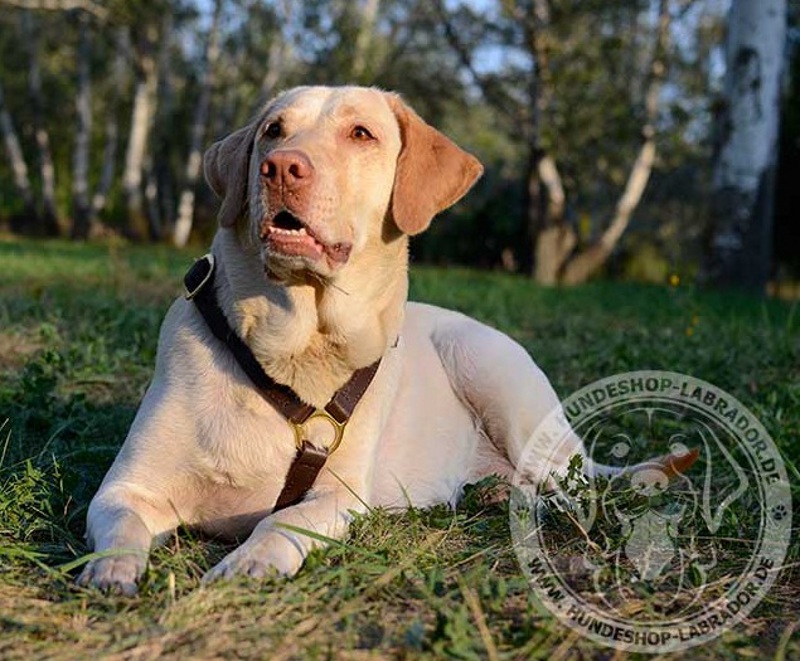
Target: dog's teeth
{"points": [[282, 230]]}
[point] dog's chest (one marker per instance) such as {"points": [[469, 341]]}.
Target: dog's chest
{"points": [[242, 455], [242, 441]]}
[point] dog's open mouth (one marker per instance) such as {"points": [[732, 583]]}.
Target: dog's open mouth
{"points": [[288, 235]]}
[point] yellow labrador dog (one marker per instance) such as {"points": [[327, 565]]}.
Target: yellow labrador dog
{"points": [[319, 195]]}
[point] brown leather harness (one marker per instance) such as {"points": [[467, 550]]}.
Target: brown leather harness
{"points": [[309, 460]]}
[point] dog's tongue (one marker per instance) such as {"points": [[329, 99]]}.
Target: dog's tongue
{"points": [[297, 243]]}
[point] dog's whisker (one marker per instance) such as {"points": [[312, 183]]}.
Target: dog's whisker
{"points": [[327, 282]]}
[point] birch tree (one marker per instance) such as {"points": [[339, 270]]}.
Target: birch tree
{"points": [[742, 205], [47, 172], [142, 114], [120, 81], [183, 225], [83, 131], [16, 158]]}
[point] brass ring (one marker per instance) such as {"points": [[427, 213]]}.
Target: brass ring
{"points": [[338, 429]]}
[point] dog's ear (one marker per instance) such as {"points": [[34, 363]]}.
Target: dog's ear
{"points": [[225, 165], [432, 171]]}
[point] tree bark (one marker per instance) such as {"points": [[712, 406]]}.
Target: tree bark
{"points": [[18, 166], [81, 206], [144, 107], [740, 250], [555, 243], [183, 226], [49, 217]]}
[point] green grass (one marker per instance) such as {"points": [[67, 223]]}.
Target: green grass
{"points": [[78, 329]]}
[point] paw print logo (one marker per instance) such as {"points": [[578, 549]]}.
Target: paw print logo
{"points": [[779, 512]]}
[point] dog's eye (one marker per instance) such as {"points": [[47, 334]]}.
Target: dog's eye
{"points": [[361, 133], [273, 130]]}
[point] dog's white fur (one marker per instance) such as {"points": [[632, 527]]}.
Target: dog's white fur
{"points": [[453, 400]]}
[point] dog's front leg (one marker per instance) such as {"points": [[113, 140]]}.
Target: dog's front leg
{"points": [[121, 525], [276, 545]]}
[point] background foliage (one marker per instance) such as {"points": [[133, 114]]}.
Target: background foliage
{"points": [[466, 66]]}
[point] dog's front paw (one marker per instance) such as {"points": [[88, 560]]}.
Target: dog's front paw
{"points": [[115, 573], [272, 554]]}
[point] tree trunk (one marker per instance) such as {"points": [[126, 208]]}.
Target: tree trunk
{"points": [[158, 189], [583, 265], [144, 107], [49, 217], [119, 73], [183, 226], [550, 241], [742, 201], [18, 166], [533, 206], [586, 263], [555, 243], [534, 21], [80, 164]]}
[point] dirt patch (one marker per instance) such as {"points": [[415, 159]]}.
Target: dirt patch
{"points": [[16, 348]]}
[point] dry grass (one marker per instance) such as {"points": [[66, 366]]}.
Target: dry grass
{"points": [[78, 326]]}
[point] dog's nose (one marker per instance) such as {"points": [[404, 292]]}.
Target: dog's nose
{"points": [[288, 169]]}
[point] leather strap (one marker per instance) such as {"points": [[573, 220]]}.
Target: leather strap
{"points": [[199, 283], [345, 400], [302, 474]]}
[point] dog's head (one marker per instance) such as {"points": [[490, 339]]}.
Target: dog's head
{"points": [[324, 172]]}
